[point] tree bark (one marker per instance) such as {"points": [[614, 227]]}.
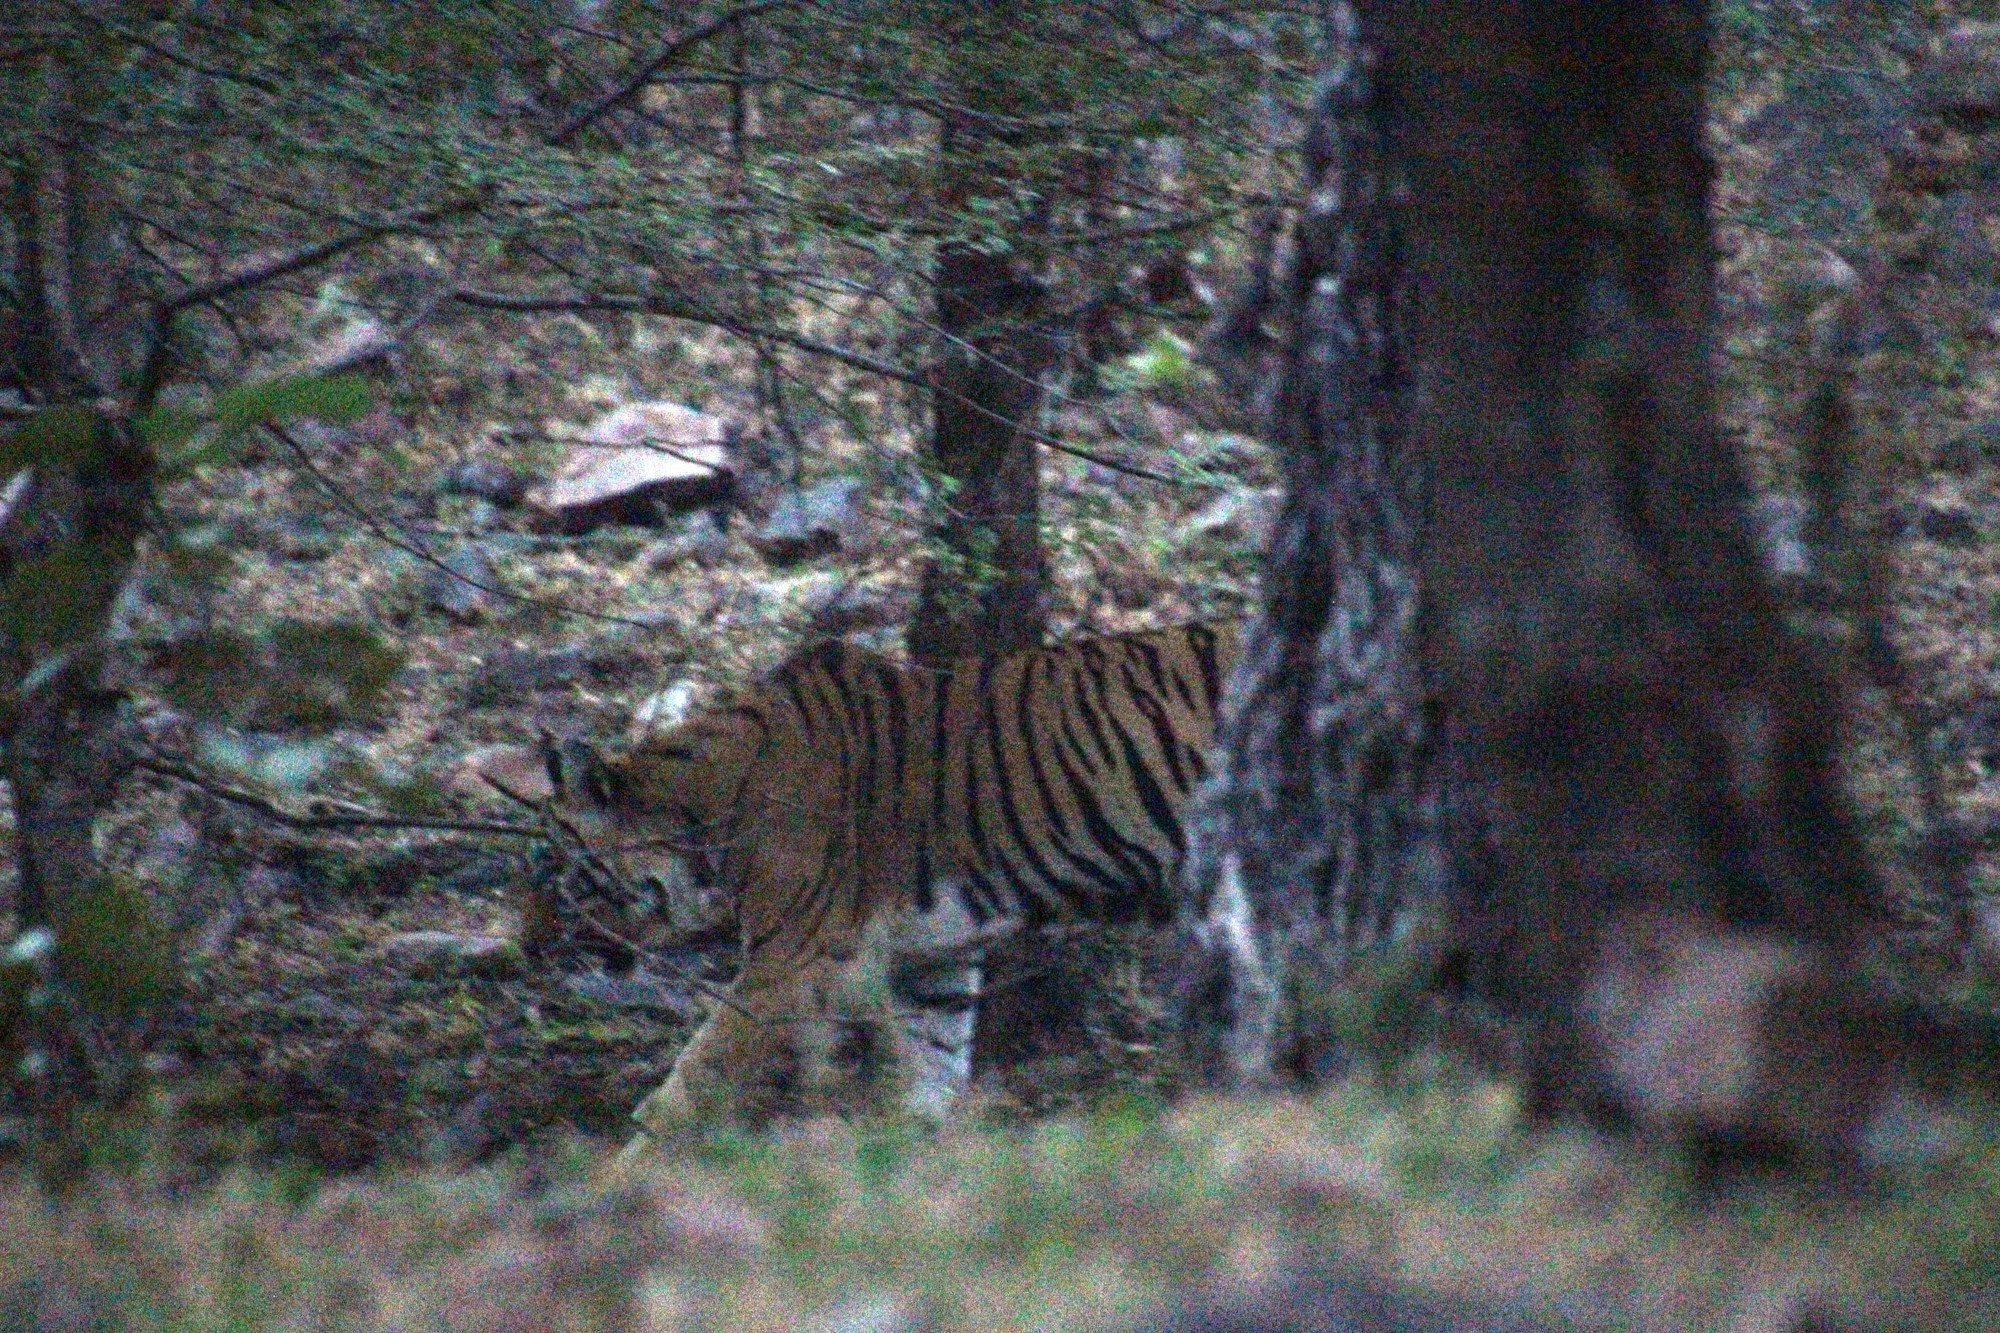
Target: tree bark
{"points": [[1599, 729], [984, 589], [1316, 835], [78, 483], [985, 593]]}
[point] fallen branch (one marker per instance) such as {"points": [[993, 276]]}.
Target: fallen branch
{"points": [[180, 770]]}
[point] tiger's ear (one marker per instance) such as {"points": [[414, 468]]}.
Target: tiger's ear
{"points": [[577, 772]]}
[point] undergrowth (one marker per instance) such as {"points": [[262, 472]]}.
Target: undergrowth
{"points": [[1089, 1221]]}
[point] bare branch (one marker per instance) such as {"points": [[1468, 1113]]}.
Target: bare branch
{"points": [[270, 270], [671, 309], [89, 14], [181, 770], [384, 533], [528, 305], [642, 74]]}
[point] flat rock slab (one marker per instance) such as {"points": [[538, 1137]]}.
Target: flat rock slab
{"points": [[446, 953], [638, 465]]}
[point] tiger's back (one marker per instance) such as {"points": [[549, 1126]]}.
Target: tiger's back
{"points": [[848, 791]]}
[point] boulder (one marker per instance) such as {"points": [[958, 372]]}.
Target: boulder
{"points": [[810, 523], [636, 465]]}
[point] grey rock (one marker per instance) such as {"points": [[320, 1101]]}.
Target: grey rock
{"points": [[1950, 525], [446, 953], [810, 523], [519, 769], [1977, 446], [1962, 255], [849, 608], [1829, 139], [1963, 80], [479, 877], [460, 585], [487, 479], [298, 537], [361, 346], [1779, 523], [639, 465], [703, 541], [512, 673], [638, 990]]}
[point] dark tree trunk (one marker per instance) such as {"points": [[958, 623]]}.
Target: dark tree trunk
{"points": [[1636, 755], [76, 484], [985, 593], [984, 587]]}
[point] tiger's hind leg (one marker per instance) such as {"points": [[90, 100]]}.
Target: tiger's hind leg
{"points": [[937, 973], [935, 1007]]}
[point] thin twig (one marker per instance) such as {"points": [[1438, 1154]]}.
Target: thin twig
{"points": [[270, 270], [382, 532], [642, 73], [167, 53], [580, 847], [846, 356], [180, 770]]}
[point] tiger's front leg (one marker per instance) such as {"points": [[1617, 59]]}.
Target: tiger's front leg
{"points": [[762, 1053], [889, 1016], [934, 1009]]}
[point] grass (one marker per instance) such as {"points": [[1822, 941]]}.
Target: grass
{"points": [[1090, 1221]]}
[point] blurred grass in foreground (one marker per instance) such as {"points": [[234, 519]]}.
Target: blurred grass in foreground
{"points": [[1088, 1222]]}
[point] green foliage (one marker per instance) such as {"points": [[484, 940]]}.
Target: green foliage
{"points": [[188, 437], [1380, 1010], [1164, 362], [54, 439], [112, 948], [309, 675]]}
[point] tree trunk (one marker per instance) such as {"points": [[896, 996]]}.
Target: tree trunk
{"points": [[1631, 750], [1315, 837], [985, 588], [78, 483], [985, 592]]}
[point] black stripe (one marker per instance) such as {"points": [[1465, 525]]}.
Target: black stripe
{"points": [[1164, 736], [1084, 871], [1031, 741], [1003, 779], [1158, 808], [1137, 866]]}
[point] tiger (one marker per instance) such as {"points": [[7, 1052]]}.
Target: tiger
{"points": [[848, 795]]}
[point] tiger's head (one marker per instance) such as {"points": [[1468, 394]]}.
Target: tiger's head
{"points": [[654, 824]]}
